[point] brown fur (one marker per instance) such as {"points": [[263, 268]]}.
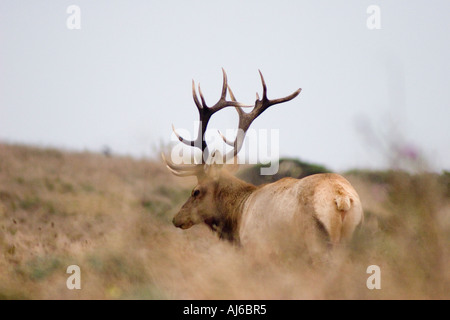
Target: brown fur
{"points": [[237, 210], [241, 212]]}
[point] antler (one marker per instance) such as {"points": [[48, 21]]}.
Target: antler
{"points": [[246, 119], [205, 113]]}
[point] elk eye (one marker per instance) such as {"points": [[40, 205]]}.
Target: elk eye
{"points": [[195, 193]]}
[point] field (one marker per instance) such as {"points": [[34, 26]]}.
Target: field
{"points": [[111, 216]]}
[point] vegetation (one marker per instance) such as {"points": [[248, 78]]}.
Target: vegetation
{"points": [[111, 216], [293, 168]]}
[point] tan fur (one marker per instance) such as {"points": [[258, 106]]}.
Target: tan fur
{"points": [[241, 212]]}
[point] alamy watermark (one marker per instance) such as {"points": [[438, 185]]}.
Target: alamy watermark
{"points": [[73, 21], [373, 21], [74, 280], [374, 280], [259, 146]]}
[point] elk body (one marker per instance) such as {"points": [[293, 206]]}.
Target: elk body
{"points": [[318, 205]]}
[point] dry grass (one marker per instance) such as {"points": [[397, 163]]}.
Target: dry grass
{"points": [[111, 217]]}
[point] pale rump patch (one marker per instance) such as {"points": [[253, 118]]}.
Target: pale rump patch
{"points": [[343, 203], [329, 198]]}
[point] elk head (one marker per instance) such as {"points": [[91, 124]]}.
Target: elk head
{"points": [[216, 197]]}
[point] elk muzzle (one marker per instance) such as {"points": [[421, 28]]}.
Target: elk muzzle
{"points": [[182, 221]]}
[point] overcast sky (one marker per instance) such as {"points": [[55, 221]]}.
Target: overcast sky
{"points": [[125, 76]]}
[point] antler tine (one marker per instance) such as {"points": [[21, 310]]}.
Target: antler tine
{"points": [[224, 84], [246, 119], [182, 170], [182, 173], [233, 98], [201, 97], [194, 95], [228, 142], [223, 102], [263, 104], [263, 85], [239, 111], [275, 101], [190, 143], [287, 98], [196, 142]]}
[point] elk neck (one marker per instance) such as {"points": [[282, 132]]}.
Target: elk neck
{"points": [[230, 195]]}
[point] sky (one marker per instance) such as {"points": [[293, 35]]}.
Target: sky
{"points": [[124, 77]]}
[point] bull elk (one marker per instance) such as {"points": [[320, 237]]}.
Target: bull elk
{"points": [[238, 211]]}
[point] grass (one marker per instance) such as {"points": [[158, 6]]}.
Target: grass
{"points": [[111, 216]]}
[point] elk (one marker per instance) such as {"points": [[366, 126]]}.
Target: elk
{"points": [[324, 204]]}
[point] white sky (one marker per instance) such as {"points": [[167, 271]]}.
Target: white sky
{"points": [[125, 76]]}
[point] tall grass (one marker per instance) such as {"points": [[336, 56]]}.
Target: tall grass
{"points": [[112, 217]]}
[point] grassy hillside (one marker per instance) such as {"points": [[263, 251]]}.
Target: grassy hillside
{"points": [[111, 216]]}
